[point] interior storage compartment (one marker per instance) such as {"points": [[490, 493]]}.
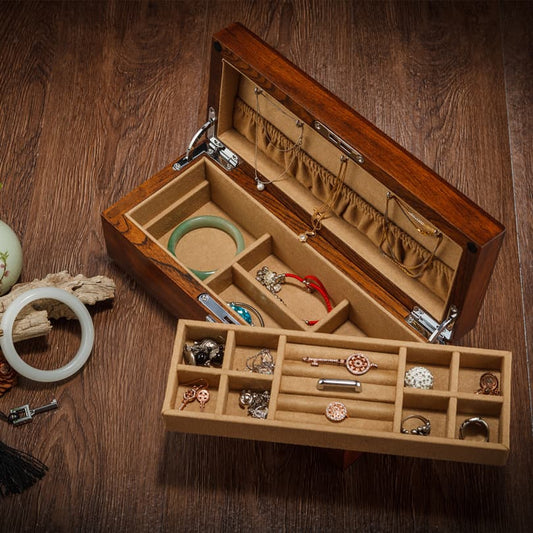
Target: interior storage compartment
{"points": [[376, 410], [438, 364], [267, 243], [435, 408], [472, 369]]}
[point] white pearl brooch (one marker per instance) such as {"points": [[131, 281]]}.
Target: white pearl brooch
{"points": [[419, 378]]}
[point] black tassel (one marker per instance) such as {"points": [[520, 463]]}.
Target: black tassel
{"points": [[18, 470]]}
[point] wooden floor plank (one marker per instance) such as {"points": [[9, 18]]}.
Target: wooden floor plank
{"points": [[97, 96], [517, 45]]}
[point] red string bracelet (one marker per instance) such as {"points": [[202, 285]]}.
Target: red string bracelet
{"points": [[273, 282]]}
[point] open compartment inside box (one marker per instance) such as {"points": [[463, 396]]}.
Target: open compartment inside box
{"points": [[203, 189], [375, 414], [313, 190]]}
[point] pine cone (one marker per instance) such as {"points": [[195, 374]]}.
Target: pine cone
{"points": [[8, 377]]}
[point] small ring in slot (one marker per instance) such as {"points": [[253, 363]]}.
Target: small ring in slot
{"points": [[424, 429], [473, 426]]}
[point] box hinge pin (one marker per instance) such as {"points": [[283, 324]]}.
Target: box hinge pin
{"points": [[213, 147], [433, 330]]}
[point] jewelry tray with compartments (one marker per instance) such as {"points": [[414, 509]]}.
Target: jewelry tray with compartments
{"points": [[375, 414], [365, 239]]}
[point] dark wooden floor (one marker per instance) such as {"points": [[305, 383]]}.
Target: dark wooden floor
{"points": [[97, 96]]}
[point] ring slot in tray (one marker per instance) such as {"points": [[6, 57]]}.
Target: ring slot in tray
{"points": [[376, 414]]}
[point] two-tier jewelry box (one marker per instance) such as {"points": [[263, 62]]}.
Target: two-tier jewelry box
{"points": [[290, 211]]}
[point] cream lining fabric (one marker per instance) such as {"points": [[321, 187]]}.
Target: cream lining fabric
{"points": [[349, 206]]}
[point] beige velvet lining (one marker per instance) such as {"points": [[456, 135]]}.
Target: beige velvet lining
{"points": [[349, 206]]}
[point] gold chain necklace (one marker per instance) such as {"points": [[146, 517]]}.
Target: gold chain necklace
{"points": [[295, 148], [322, 212], [421, 226]]}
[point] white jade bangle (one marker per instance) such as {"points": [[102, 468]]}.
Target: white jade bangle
{"points": [[6, 338]]}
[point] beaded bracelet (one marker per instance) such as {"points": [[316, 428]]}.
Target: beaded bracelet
{"points": [[205, 221], [273, 282]]}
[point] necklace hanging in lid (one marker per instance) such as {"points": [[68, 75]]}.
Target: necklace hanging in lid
{"points": [[292, 149]]}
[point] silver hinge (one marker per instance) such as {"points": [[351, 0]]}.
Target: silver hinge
{"points": [[213, 147], [221, 313], [434, 331]]}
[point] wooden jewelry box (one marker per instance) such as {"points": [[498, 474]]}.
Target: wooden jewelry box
{"points": [[302, 185]]}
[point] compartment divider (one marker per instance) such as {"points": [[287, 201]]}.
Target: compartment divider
{"points": [[220, 279], [452, 418], [265, 299], [276, 381], [222, 398], [229, 350], [505, 387], [333, 320], [398, 403], [454, 371], [262, 247], [180, 210]]}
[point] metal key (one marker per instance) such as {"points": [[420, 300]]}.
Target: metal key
{"points": [[357, 363], [315, 361], [23, 414]]}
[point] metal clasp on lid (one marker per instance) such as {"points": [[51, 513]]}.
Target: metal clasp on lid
{"points": [[434, 331], [213, 147]]}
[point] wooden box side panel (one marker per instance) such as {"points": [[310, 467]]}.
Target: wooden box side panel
{"points": [[473, 277], [170, 284]]}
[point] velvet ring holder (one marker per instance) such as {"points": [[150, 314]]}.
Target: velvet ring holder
{"points": [[6, 334], [205, 221]]}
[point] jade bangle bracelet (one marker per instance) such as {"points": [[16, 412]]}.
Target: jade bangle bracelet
{"points": [[6, 334], [205, 221]]}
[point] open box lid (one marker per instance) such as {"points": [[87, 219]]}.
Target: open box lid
{"points": [[390, 222]]}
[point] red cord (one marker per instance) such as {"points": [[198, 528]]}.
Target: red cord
{"points": [[312, 282]]}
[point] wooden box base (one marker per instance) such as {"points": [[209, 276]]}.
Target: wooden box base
{"points": [[204, 188]]}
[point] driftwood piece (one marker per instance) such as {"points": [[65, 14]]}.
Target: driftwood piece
{"points": [[33, 321]]}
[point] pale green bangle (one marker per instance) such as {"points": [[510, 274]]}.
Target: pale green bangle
{"points": [[205, 221]]}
